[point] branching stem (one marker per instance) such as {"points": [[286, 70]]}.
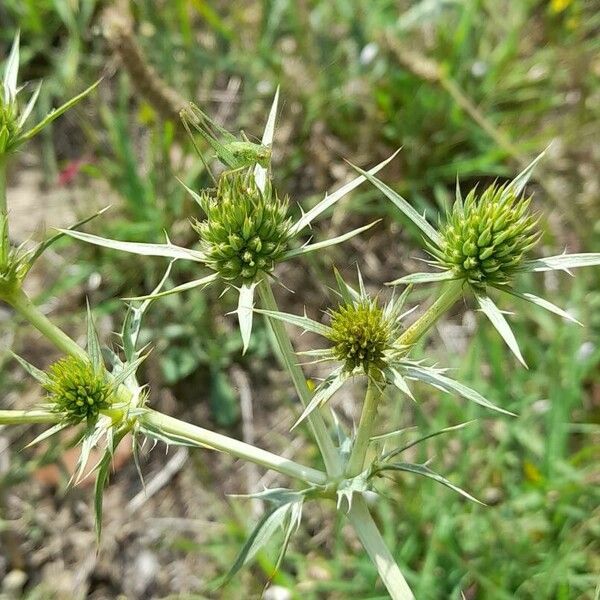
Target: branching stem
{"points": [[330, 455], [450, 294], [365, 427], [23, 305], [216, 441], [27, 417]]}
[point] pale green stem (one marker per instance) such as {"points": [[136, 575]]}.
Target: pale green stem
{"points": [[450, 294], [373, 543], [365, 427], [216, 441], [23, 417], [4, 242], [331, 457], [358, 516], [23, 305]]}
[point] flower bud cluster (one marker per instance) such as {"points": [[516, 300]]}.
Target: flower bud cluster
{"points": [[361, 334], [246, 231], [77, 390], [485, 240]]}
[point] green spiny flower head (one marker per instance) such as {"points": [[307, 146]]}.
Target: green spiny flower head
{"points": [[246, 231], [77, 390], [361, 334], [486, 239]]}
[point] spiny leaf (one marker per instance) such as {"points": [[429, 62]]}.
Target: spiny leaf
{"points": [[57, 112], [542, 303], [36, 373], [268, 525], [404, 206], [184, 287], [11, 72], [302, 322], [133, 319], [167, 250], [446, 384], [43, 246], [563, 262], [93, 343], [424, 278], [331, 199], [397, 451], [101, 480], [245, 312], [426, 472], [395, 378], [48, 433], [517, 185], [192, 193], [306, 249], [497, 319], [324, 392], [349, 294], [260, 172], [29, 107]]}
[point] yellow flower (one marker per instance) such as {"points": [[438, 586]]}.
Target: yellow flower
{"points": [[558, 6]]}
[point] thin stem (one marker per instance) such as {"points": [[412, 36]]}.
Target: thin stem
{"points": [[216, 441], [330, 455], [359, 516], [451, 293], [22, 417], [23, 305], [373, 543], [375, 389], [4, 242]]}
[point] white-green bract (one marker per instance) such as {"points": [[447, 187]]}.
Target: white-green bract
{"points": [[246, 289], [13, 116], [367, 342], [435, 244]]}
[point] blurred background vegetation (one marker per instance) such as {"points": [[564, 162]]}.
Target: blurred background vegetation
{"points": [[468, 87]]}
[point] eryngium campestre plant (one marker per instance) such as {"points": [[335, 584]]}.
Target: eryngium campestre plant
{"points": [[77, 390], [484, 240], [246, 231]]}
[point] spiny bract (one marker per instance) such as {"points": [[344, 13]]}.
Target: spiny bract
{"points": [[8, 124], [485, 240], [77, 390], [246, 231], [361, 334]]}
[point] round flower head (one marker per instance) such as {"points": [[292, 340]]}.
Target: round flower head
{"points": [[246, 231], [77, 390], [361, 334], [485, 240]]}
